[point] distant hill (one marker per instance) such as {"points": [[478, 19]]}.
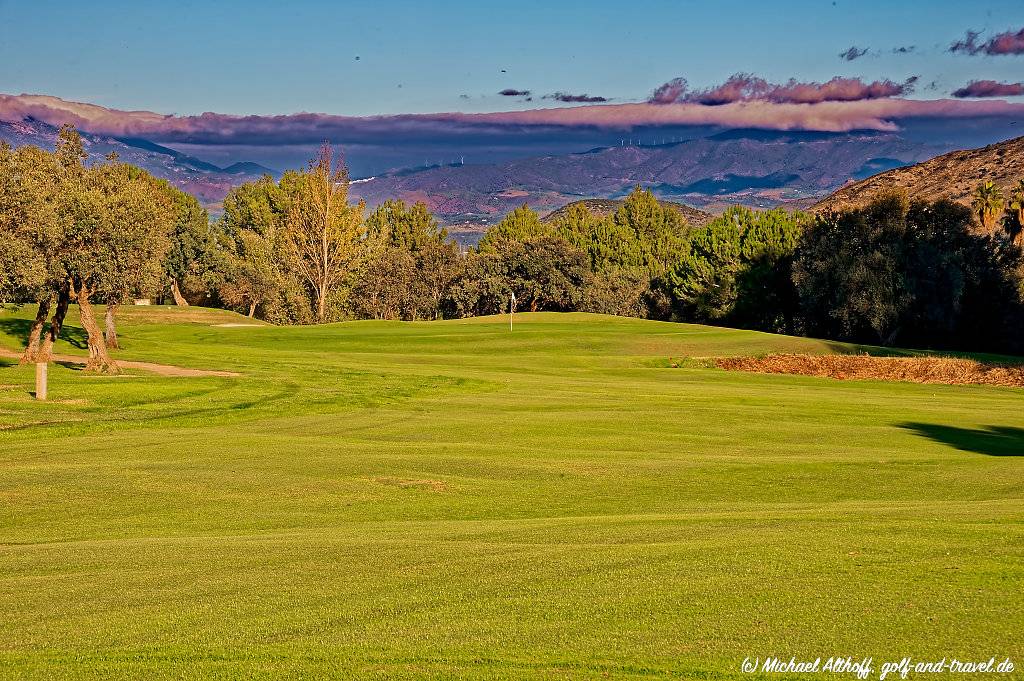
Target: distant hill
{"points": [[602, 207], [759, 168], [248, 168], [208, 182], [951, 176]]}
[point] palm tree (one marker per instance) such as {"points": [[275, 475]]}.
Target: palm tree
{"points": [[1014, 222], [988, 204]]}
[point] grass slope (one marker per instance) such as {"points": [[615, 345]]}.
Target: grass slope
{"points": [[448, 499]]}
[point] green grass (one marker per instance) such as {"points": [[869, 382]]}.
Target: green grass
{"points": [[451, 500]]}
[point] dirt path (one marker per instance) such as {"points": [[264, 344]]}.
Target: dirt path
{"points": [[160, 369]]}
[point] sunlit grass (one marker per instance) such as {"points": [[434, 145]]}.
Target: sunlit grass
{"points": [[452, 500]]}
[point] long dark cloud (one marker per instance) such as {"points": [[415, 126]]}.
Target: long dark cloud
{"points": [[989, 88], [853, 53], [512, 92], [577, 99], [904, 49], [1006, 43], [744, 87], [823, 107]]}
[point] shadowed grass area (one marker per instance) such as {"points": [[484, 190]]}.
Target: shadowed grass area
{"points": [[990, 440], [452, 500]]}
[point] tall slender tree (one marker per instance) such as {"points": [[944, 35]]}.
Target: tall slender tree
{"points": [[323, 229]]}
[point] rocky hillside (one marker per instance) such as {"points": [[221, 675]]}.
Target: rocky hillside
{"points": [[951, 176]]}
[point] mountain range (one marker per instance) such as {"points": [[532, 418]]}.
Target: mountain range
{"points": [[208, 182], [760, 168], [755, 167]]}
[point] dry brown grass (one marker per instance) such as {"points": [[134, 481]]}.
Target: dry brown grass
{"points": [[948, 370], [404, 483]]}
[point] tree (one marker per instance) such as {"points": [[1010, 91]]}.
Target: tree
{"points": [[116, 235], [438, 266], [40, 190], [323, 229], [483, 286], [705, 281], [29, 228], [78, 233], [848, 272], [194, 256], [988, 205], [738, 270], [617, 292], [385, 288], [1013, 221], [138, 216], [522, 223], [545, 272], [394, 224], [916, 272], [258, 271], [659, 234], [83, 234], [435, 261]]}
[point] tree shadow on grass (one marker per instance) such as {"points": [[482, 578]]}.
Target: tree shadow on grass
{"points": [[989, 440], [73, 366], [73, 335]]}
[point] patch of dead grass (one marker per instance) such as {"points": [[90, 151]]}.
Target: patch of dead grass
{"points": [[947, 370], [405, 483]]}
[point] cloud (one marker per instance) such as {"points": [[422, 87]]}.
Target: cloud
{"points": [[904, 49], [853, 53], [989, 88], [1006, 43], [744, 87], [668, 93], [512, 92], [584, 98], [820, 114]]}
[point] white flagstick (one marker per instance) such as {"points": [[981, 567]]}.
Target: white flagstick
{"points": [[511, 309]]}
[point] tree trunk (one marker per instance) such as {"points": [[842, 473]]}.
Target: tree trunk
{"points": [[179, 299], [321, 304], [35, 333], [252, 309], [99, 359], [889, 339], [56, 324], [110, 328]]}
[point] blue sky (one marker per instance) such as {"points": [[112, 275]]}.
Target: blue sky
{"points": [[274, 57]]}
